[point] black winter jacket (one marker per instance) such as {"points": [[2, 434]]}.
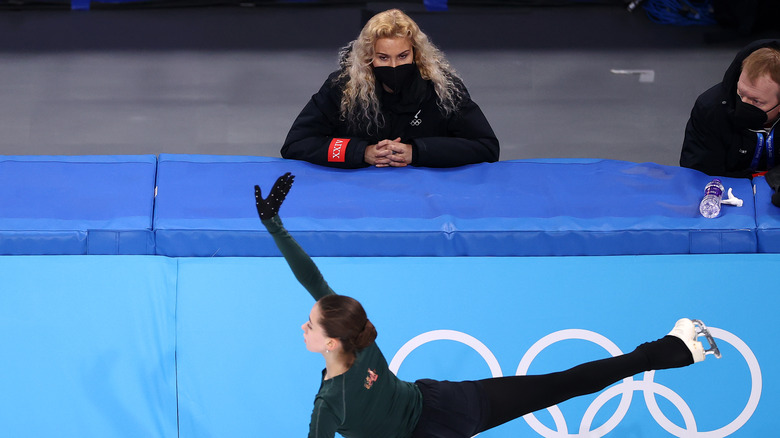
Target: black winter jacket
{"points": [[713, 144], [319, 136]]}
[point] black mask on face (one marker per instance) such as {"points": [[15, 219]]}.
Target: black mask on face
{"points": [[396, 78], [750, 116]]}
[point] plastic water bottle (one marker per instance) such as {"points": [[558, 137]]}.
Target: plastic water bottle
{"points": [[710, 204]]}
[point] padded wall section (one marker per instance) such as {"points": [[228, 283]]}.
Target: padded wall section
{"points": [[88, 342], [244, 370], [205, 207], [76, 205], [88, 347], [767, 218], [243, 367]]}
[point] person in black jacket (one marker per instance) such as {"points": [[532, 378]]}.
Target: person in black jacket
{"points": [[395, 101], [731, 128]]}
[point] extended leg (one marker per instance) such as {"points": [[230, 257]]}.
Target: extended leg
{"points": [[514, 396]]}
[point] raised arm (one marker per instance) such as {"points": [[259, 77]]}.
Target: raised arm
{"points": [[300, 263]]}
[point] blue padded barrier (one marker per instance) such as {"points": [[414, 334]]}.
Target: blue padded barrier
{"points": [[132, 346], [76, 204], [205, 207], [244, 370], [88, 347], [767, 218]]}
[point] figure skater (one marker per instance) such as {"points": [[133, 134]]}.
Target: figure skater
{"points": [[360, 398]]}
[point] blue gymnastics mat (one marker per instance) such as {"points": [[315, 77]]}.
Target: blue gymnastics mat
{"points": [[205, 207], [77, 205], [767, 218]]}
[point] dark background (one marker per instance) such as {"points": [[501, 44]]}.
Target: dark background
{"points": [[229, 77]]}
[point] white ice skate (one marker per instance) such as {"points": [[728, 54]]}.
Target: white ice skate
{"points": [[689, 331]]}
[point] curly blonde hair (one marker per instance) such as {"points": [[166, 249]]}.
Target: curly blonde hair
{"points": [[359, 102]]}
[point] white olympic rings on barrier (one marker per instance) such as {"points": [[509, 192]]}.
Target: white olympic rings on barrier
{"points": [[557, 415], [625, 388], [441, 335]]}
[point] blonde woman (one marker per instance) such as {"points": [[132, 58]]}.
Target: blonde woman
{"points": [[395, 101]]}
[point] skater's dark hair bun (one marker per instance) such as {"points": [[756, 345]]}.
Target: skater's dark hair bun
{"points": [[345, 319]]}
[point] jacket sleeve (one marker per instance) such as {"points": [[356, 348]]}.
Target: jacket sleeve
{"points": [[702, 149], [470, 139], [317, 135], [704, 146], [306, 272]]}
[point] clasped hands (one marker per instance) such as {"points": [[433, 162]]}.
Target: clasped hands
{"points": [[389, 153]]}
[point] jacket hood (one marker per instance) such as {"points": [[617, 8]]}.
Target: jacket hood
{"points": [[729, 84]]}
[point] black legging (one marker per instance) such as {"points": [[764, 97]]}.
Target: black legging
{"points": [[514, 396]]}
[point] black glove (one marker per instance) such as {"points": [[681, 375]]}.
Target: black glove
{"points": [[269, 207], [773, 179]]}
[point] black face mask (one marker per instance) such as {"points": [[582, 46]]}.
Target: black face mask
{"points": [[396, 78], [749, 116]]}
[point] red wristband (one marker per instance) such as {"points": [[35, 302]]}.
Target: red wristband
{"points": [[337, 150]]}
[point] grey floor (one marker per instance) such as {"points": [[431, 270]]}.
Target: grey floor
{"points": [[231, 81]]}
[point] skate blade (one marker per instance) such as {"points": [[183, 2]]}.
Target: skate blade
{"points": [[701, 330]]}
